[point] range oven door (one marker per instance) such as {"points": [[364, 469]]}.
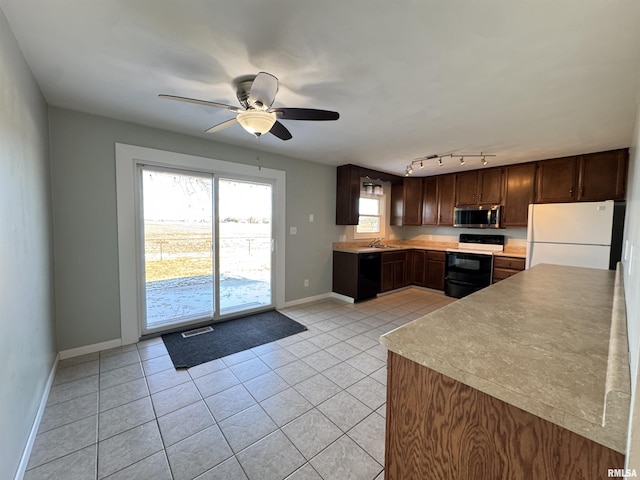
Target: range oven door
{"points": [[466, 273]]}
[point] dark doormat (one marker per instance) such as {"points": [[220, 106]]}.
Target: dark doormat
{"points": [[229, 337]]}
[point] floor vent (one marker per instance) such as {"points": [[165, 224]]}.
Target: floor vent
{"points": [[197, 331]]}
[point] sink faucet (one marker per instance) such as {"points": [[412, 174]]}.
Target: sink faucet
{"points": [[376, 242]]}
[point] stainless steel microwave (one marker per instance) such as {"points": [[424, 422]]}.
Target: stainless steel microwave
{"points": [[484, 216]]}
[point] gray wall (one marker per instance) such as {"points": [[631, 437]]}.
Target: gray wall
{"points": [[27, 338], [85, 232]]}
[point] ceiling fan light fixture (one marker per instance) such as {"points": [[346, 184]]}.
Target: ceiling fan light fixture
{"points": [[256, 122]]}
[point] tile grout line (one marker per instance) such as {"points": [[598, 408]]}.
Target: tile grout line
{"points": [[155, 419], [327, 311]]}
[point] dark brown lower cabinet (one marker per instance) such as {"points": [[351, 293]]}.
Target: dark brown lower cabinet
{"points": [[425, 268], [395, 271], [435, 270], [505, 267], [440, 428], [418, 260]]}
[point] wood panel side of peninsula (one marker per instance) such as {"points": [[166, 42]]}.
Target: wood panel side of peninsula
{"points": [[438, 428]]}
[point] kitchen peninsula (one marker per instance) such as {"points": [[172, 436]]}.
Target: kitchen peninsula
{"points": [[526, 379]]}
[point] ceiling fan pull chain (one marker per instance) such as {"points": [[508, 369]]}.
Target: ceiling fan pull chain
{"points": [[258, 155]]}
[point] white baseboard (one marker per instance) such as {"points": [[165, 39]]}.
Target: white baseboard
{"points": [[344, 298], [315, 298], [26, 453], [96, 347]]}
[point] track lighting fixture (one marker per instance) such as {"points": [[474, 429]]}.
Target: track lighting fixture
{"points": [[461, 158]]}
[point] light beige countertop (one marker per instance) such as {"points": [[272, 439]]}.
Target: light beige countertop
{"points": [[550, 340], [392, 245], [397, 245], [517, 252]]}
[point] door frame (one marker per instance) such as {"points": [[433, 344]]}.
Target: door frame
{"points": [[128, 157]]}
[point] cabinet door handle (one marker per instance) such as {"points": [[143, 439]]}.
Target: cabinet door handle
{"points": [[571, 191], [480, 197]]}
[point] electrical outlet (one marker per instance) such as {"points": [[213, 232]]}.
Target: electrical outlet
{"points": [[293, 230], [306, 282], [311, 217]]}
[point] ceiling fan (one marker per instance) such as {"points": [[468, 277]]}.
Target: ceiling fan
{"points": [[256, 95]]}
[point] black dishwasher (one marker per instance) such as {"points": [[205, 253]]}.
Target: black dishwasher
{"points": [[369, 265]]}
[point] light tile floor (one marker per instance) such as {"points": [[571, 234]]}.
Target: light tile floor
{"points": [[309, 406]]}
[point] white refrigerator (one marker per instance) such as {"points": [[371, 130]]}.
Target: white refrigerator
{"points": [[574, 234]]}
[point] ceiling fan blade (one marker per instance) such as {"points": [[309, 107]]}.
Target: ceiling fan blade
{"points": [[280, 131], [305, 114], [222, 126], [202, 102], [263, 90]]}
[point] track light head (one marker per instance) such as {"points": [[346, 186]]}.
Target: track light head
{"points": [[462, 162]]}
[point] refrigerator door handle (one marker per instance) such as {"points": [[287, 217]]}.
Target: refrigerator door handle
{"points": [[529, 237], [530, 224]]}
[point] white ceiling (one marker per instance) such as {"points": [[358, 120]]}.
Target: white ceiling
{"points": [[524, 80]]}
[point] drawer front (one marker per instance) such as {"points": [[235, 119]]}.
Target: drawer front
{"points": [[509, 262], [388, 257], [435, 256], [502, 273]]}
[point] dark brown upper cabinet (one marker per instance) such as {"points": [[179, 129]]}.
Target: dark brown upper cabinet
{"points": [[446, 198], [467, 188], [590, 177], [519, 189], [347, 195], [557, 180], [430, 201], [438, 199], [479, 187], [412, 201], [602, 176]]}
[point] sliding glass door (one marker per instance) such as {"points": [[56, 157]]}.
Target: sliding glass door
{"points": [[207, 247], [245, 233], [178, 246]]}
